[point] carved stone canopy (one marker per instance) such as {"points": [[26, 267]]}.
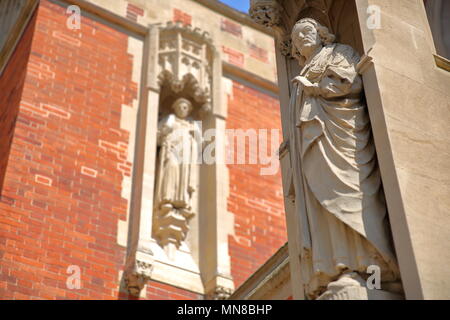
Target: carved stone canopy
{"points": [[186, 55]]}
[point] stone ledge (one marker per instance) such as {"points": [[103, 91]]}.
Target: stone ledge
{"points": [[442, 62]]}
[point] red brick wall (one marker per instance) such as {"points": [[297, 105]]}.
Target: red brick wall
{"points": [[255, 200], [11, 85], [62, 193], [62, 190]]}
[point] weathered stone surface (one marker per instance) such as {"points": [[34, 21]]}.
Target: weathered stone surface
{"points": [[408, 102], [339, 193]]}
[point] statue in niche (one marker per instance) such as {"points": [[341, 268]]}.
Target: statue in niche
{"points": [[344, 221], [176, 176]]}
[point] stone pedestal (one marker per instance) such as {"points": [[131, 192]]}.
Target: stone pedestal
{"points": [[353, 288]]}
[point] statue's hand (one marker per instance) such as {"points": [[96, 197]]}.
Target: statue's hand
{"points": [[311, 89], [302, 81]]}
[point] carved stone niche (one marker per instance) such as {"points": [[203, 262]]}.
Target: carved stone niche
{"points": [[177, 164], [169, 239], [184, 67], [331, 19]]}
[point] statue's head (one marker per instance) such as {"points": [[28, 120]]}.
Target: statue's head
{"points": [[307, 34], [182, 108]]}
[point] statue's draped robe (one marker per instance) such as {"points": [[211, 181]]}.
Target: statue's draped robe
{"points": [[345, 214], [176, 171]]}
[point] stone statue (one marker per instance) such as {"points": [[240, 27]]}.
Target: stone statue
{"points": [[176, 175], [344, 221]]}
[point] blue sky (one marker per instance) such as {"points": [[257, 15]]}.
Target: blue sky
{"points": [[241, 5]]}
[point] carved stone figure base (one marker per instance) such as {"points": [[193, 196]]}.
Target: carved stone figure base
{"points": [[352, 287], [171, 227]]}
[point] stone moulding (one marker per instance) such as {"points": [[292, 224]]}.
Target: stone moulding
{"points": [[268, 280], [185, 56], [181, 62], [199, 35]]}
